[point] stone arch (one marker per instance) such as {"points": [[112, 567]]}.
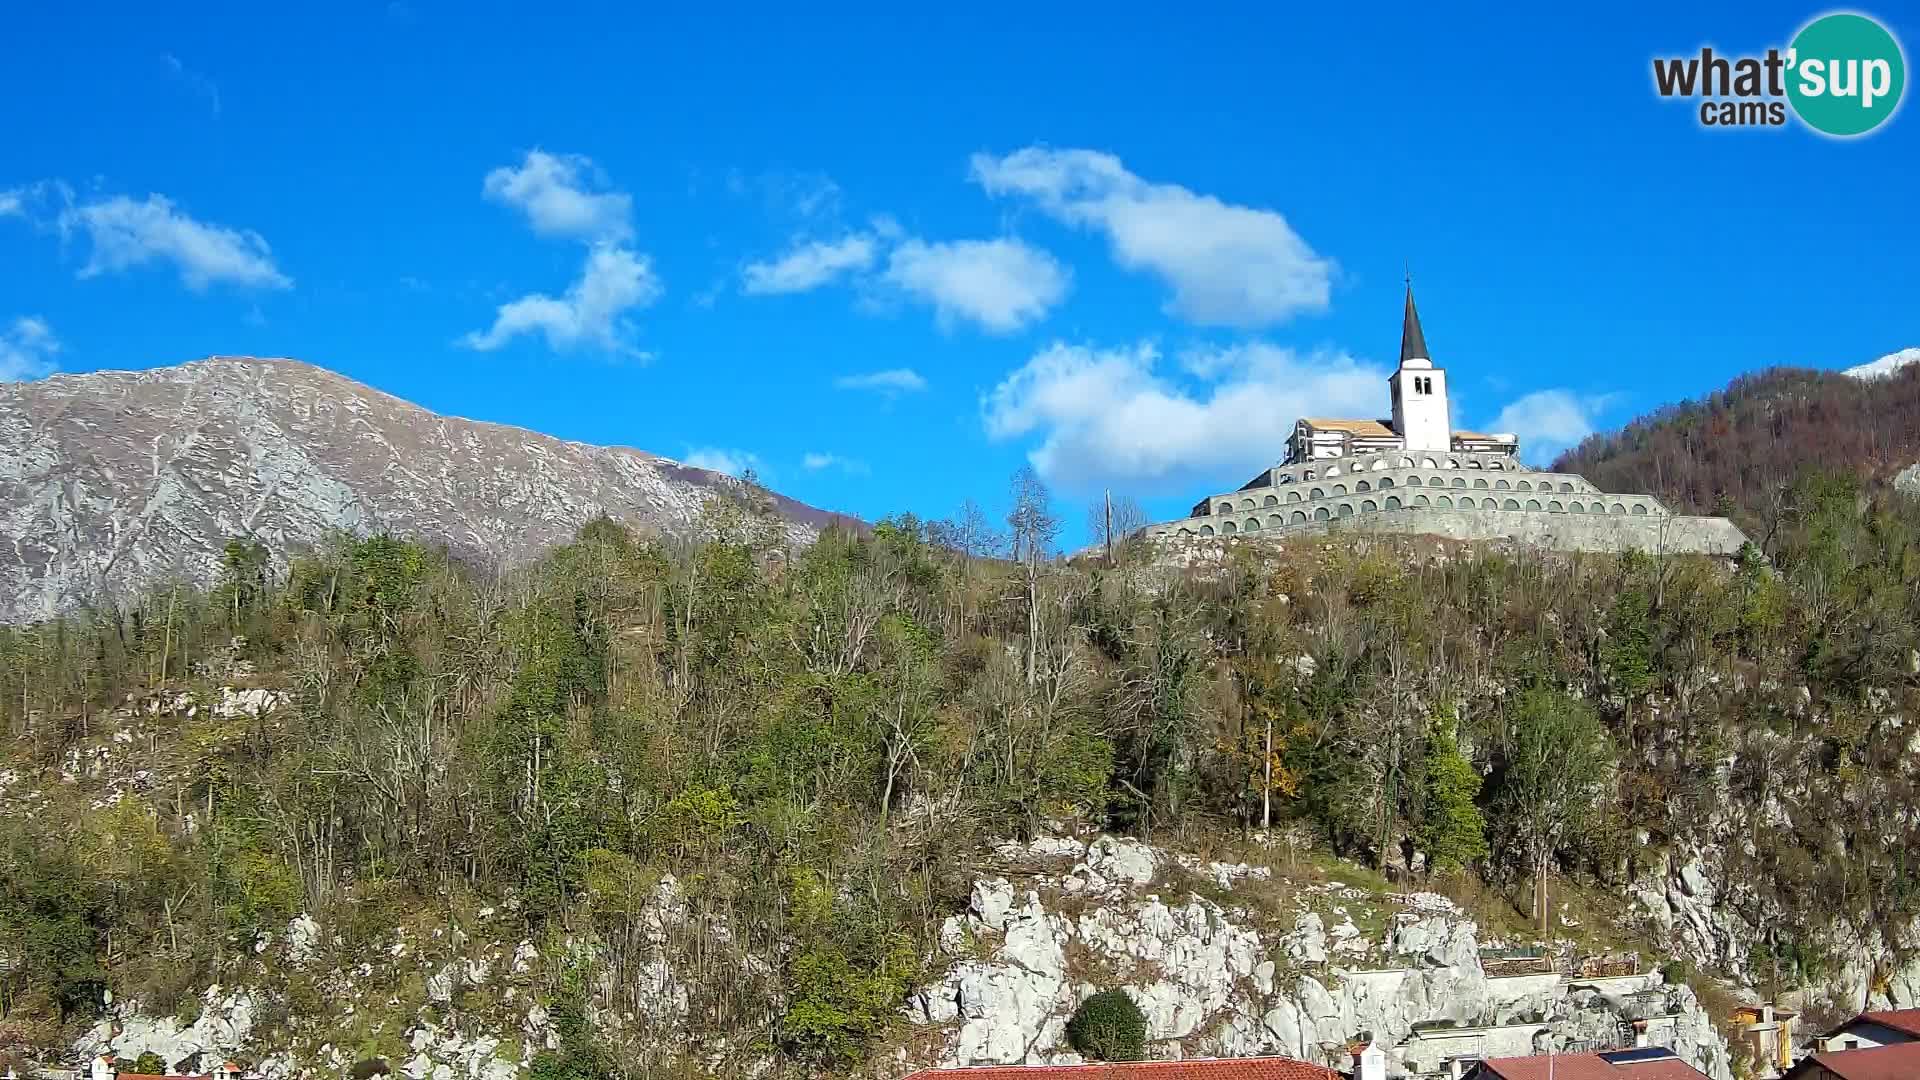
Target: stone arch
{"points": [[1206, 530], [1510, 504], [1293, 496], [1318, 494], [1271, 500], [1564, 486], [1321, 513], [1253, 525], [1368, 506], [1576, 508], [1406, 463], [1474, 463], [1438, 481], [1185, 533], [1453, 463], [1362, 486], [1307, 475], [1480, 482], [1393, 502], [1446, 501], [1386, 482], [1224, 508], [1533, 504], [1555, 506], [1640, 508], [1502, 484], [1523, 485], [1617, 508], [1283, 478], [1246, 504], [1380, 463], [1228, 528], [1421, 500], [1496, 464], [1275, 521], [1299, 518], [1427, 463], [1459, 481], [1413, 481], [1346, 509], [1339, 489], [1332, 471]]}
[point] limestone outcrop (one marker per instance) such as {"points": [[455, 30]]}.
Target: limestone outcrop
{"points": [[1215, 978]]}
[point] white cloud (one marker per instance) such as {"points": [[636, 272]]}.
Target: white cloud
{"points": [[1228, 265], [815, 462], [721, 460], [27, 349], [591, 313], [889, 382], [1548, 421], [562, 195], [1001, 284], [1110, 417], [126, 233], [809, 266], [11, 204]]}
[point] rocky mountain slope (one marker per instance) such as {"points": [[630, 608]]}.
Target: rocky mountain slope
{"points": [[114, 480]]}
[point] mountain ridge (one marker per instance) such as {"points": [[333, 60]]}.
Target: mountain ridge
{"points": [[115, 480]]}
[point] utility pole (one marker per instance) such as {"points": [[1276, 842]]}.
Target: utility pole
{"points": [[1108, 531], [1266, 785]]}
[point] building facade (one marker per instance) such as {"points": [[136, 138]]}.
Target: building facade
{"points": [[1413, 472]]}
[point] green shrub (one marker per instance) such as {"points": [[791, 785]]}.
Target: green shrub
{"points": [[1109, 1027]]}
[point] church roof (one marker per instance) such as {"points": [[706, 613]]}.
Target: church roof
{"points": [[1373, 429], [1413, 343]]}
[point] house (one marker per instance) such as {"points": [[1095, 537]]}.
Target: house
{"points": [[1258, 1068], [1900, 1061], [1767, 1035], [1642, 1063], [1871, 1029]]}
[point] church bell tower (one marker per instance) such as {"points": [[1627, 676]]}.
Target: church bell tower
{"points": [[1419, 390]]}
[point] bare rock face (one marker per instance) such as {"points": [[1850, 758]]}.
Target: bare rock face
{"points": [[113, 481]]}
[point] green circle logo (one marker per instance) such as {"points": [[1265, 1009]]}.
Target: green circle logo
{"points": [[1845, 74]]}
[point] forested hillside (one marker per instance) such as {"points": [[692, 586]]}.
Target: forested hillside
{"points": [[1736, 451], [818, 745]]}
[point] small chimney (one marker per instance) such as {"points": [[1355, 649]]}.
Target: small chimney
{"points": [[1369, 1062]]}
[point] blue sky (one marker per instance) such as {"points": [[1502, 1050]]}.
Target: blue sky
{"points": [[887, 258]]}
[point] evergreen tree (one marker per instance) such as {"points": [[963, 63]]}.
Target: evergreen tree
{"points": [[1453, 832]]}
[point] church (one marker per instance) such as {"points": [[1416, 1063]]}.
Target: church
{"points": [[1415, 473]]}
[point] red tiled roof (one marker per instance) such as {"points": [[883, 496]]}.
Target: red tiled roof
{"points": [[1267, 1068], [1904, 1020], [1588, 1067], [1901, 1061]]}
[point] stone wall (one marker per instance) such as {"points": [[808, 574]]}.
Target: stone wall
{"points": [[1605, 533], [1674, 535]]}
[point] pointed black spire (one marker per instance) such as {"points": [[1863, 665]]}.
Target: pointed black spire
{"points": [[1413, 343]]}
